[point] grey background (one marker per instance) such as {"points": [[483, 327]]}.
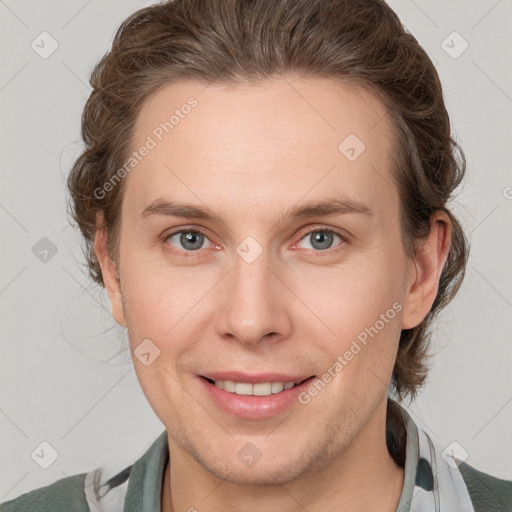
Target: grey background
{"points": [[54, 385]]}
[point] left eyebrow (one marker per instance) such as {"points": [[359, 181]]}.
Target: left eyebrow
{"points": [[328, 207]]}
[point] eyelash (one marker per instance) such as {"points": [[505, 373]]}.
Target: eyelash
{"points": [[322, 229]]}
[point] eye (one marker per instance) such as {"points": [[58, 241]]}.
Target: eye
{"points": [[189, 239], [320, 239]]}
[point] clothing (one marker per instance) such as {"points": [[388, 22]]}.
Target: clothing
{"points": [[431, 484]]}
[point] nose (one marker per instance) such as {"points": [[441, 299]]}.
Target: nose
{"points": [[255, 303]]}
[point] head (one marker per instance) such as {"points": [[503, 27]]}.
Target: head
{"points": [[255, 113]]}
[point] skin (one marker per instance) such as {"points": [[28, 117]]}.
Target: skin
{"points": [[249, 154]]}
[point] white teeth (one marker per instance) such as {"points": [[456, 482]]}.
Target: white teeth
{"points": [[277, 387], [260, 389], [229, 385], [243, 388]]}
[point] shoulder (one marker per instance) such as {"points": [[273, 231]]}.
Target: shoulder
{"points": [[487, 492], [109, 488], [64, 495]]}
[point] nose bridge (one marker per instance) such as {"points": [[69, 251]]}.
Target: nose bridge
{"points": [[253, 307]]}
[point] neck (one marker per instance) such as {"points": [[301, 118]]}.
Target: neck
{"points": [[363, 477]]}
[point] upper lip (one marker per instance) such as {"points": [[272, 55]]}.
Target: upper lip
{"points": [[256, 378]]}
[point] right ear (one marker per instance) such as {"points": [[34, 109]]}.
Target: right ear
{"points": [[108, 271]]}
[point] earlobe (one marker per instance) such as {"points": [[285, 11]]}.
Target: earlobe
{"points": [[425, 270], [109, 271]]}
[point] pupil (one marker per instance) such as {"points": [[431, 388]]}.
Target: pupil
{"points": [[322, 239], [191, 238]]}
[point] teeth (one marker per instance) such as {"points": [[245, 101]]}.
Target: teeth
{"points": [[260, 389]]}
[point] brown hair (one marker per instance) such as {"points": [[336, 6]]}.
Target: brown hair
{"points": [[246, 41]]}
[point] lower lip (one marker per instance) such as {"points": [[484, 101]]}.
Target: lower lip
{"points": [[254, 407]]}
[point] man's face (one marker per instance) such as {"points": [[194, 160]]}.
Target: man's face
{"points": [[255, 297]]}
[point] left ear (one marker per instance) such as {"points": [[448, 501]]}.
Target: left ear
{"points": [[425, 270]]}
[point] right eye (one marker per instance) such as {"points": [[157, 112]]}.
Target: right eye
{"points": [[189, 240]]}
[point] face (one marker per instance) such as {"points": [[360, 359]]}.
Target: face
{"points": [[260, 244]]}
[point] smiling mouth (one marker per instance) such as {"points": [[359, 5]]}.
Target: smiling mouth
{"points": [[258, 389]]}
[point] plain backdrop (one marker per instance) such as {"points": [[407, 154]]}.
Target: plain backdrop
{"points": [[56, 332]]}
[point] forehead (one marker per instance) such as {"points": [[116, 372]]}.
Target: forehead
{"points": [[305, 136]]}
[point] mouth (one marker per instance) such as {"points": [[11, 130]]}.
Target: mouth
{"points": [[254, 397]]}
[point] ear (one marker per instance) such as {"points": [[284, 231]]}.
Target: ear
{"points": [[425, 270], [108, 270]]}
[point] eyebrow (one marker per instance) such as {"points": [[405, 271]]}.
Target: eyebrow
{"points": [[327, 207]]}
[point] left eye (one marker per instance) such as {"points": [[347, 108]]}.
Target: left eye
{"points": [[320, 239], [189, 240]]}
